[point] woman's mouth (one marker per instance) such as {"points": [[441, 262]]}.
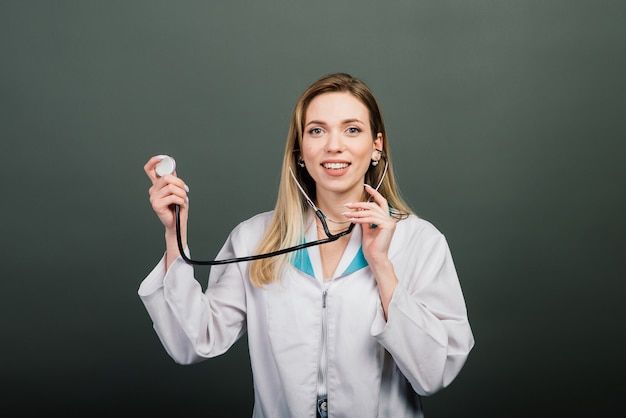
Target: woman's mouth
{"points": [[335, 166]]}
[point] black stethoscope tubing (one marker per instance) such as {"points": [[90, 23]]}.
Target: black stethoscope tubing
{"points": [[320, 215]]}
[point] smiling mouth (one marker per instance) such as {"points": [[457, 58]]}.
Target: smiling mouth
{"points": [[335, 166]]}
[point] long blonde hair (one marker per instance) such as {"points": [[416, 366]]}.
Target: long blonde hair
{"points": [[287, 226]]}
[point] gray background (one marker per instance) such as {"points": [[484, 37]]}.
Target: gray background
{"points": [[506, 125]]}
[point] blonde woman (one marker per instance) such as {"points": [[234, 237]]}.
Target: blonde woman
{"points": [[362, 325]]}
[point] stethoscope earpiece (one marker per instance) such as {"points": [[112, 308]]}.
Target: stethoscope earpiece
{"points": [[166, 166]]}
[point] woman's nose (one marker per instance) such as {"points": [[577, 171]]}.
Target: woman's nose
{"points": [[334, 142]]}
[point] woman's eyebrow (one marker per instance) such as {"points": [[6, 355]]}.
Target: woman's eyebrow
{"points": [[352, 120], [343, 122], [315, 122]]}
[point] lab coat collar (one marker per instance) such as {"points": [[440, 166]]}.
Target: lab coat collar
{"points": [[308, 260]]}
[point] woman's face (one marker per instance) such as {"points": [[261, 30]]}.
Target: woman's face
{"points": [[338, 143]]}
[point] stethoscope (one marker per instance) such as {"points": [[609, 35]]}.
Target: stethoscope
{"points": [[168, 165]]}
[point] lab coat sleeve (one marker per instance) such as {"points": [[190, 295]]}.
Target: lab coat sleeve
{"points": [[427, 331], [194, 325]]}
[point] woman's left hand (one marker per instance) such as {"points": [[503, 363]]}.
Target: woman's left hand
{"points": [[378, 227]]}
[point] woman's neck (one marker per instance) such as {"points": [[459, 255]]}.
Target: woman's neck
{"points": [[332, 205]]}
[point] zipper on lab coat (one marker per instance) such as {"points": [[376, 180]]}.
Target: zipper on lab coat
{"points": [[323, 360]]}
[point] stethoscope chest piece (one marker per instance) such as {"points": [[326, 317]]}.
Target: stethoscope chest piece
{"points": [[166, 166]]}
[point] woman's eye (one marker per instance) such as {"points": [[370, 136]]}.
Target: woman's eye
{"points": [[353, 130], [315, 131]]}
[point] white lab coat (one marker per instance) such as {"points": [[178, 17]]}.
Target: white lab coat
{"points": [[375, 368]]}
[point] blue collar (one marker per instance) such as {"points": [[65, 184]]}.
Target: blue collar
{"points": [[302, 262]]}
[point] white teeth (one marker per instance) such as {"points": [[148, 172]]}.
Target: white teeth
{"points": [[335, 166]]}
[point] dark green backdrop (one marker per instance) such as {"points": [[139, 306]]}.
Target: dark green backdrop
{"points": [[506, 124]]}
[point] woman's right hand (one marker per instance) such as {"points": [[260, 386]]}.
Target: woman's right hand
{"points": [[165, 192]]}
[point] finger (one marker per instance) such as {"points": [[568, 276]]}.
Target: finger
{"points": [[162, 201], [372, 215], [373, 207], [162, 182], [167, 186], [149, 167], [362, 216], [378, 198]]}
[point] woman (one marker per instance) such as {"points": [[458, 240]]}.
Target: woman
{"points": [[358, 327]]}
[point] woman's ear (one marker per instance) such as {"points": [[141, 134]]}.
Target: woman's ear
{"points": [[378, 141]]}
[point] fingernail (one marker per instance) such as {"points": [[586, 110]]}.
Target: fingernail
{"points": [[186, 188], [366, 185], [347, 204], [160, 157], [346, 213]]}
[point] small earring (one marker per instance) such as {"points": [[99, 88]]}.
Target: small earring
{"points": [[301, 162], [376, 157]]}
